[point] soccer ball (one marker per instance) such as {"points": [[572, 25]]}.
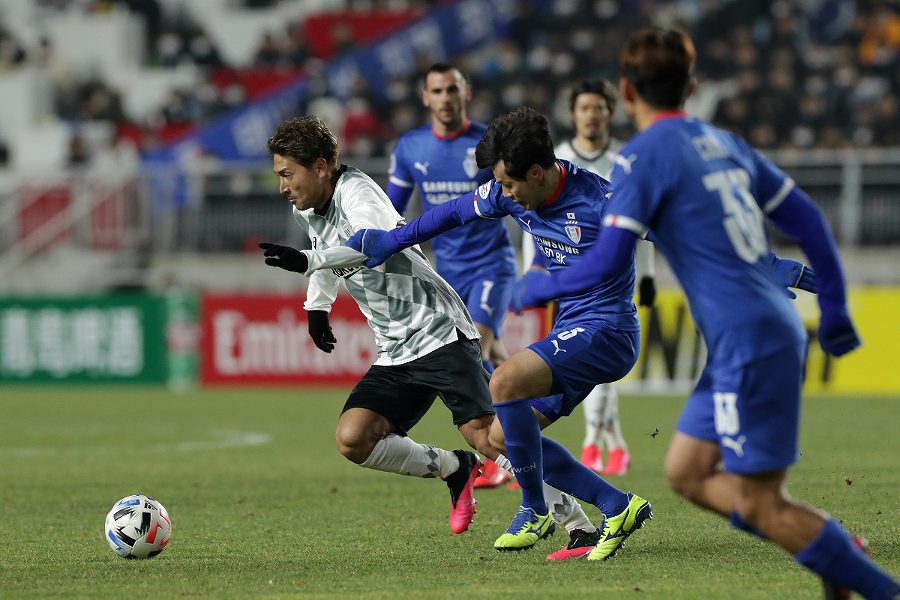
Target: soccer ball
{"points": [[138, 527]]}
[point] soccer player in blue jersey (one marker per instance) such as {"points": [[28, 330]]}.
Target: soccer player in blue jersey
{"points": [[477, 260], [702, 193], [595, 338]]}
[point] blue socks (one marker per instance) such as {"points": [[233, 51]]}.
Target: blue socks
{"points": [[523, 448], [488, 366], [564, 472], [834, 557], [536, 459]]}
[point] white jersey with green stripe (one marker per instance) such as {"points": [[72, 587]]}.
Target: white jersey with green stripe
{"points": [[411, 309]]}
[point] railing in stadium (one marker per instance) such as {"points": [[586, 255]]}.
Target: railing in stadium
{"points": [[216, 207]]}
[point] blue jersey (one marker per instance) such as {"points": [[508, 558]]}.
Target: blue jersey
{"points": [[444, 169], [563, 229], [702, 193]]}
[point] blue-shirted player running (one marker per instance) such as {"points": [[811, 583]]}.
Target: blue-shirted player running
{"points": [[477, 260], [595, 338], [702, 194]]}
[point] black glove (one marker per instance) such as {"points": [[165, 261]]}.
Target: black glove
{"points": [[646, 291], [320, 330], [289, 259]]}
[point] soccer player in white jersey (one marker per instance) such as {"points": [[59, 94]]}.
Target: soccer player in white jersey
{"points": [[427, 343], [591, 104]]}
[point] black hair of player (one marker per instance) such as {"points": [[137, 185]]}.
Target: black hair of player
{"points": [[600, 87], [658, 63], [304, 139], [441, 67], [520, 139]]}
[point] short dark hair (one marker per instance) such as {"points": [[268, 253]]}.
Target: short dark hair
{"points": [[601, 87], [520, 138], [304, 139], [658, 63], [442, 67]]}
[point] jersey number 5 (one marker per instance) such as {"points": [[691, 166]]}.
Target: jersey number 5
{"points": [[743, 220]]}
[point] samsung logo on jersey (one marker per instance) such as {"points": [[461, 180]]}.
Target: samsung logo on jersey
{"points": [[556, 245], [439, 198], [453, 187]]}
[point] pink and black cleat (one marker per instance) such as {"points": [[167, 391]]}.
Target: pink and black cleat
{"points": [[461, 482]]}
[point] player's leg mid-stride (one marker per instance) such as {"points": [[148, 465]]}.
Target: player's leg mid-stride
{"points": [[519, 391]]}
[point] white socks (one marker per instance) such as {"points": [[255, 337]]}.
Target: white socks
{"points": [[400, 454], [593, 416], [601, 418], [566, 510], [612, 430]]}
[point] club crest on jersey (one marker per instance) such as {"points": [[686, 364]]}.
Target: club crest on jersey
{"points": [[469, 165], [484, 189], [574, 233]]}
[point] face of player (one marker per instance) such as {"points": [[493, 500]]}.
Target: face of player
{"points": [[304, 187], [445, 95], [529, 193], [590, 115]]}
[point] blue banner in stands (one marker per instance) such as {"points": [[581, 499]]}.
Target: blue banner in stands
{"points": [[441, 34]]}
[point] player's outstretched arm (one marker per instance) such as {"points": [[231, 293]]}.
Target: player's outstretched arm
{"points": [[801, 219], [379, 245]]}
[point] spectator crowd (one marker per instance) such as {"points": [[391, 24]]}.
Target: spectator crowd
{"points": [[784, 74]]}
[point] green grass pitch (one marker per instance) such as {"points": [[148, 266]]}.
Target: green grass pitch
{"points": [[263, 506]]}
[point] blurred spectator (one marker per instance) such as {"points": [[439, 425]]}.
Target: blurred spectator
{"points": [[202, 52], [880, 44], [11, 52], [79, 155], [269, 53], [362, 132], [99, 102], [181, 108]]}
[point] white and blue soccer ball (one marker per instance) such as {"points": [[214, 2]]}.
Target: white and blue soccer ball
{"points": [[138, 526]]}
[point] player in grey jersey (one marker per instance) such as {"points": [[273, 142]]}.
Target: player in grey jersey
{"points": [[427, 343]]}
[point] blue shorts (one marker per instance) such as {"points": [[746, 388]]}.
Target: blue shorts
{"points": [[487, 297], [581, 356], [752, 411]]}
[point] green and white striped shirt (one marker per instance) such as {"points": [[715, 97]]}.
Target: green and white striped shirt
{"points": [[409, 307]]}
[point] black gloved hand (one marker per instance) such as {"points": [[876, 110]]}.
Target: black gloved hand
{"points": [[646, 291], [320, 330], [285, 257]]}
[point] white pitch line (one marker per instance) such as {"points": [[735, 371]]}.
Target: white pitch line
{"points": [[222, 440]]}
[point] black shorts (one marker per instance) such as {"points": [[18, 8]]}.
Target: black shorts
{"points": [[403, 393]]}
